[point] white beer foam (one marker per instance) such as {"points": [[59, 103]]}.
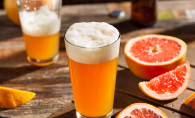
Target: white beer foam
{"points": [[92, 43], [42, 22], [92, 34]]}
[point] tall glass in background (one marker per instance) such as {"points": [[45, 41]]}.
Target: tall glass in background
{"points": [[40, 22], [93, 75]]}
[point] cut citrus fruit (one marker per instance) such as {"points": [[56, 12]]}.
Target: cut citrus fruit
{"points": [[190, 101], [11, 9], [168, 85], [48, 2], [141, 110], [10, 98], [151, 55]]}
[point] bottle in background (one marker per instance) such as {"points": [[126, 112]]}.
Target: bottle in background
{"points": [[143, 12]]}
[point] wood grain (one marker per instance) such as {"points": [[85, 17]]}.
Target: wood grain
{"points": [[35, 108], [122, 100], [124, 6]]}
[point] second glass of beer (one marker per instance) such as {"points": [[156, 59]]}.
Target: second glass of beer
{"points": [[40, 22], [92, 50]]}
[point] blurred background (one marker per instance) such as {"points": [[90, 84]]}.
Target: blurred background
{"points": [[70, 2]]}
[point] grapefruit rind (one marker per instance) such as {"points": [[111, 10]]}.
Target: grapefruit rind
{"points": [[190, 99], [11, 98], [167, 95], [127, 110], [147, 70]]}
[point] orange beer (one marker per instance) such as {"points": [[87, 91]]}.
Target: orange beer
{"points": [[93, 87], [42, 48], [92, 49], [40, 25]]}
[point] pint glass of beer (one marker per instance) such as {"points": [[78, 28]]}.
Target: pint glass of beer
{"points": [[92, 49], [40, 23]]}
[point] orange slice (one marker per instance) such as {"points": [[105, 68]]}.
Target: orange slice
{"points": [[151, 55], [10, 98], [141, 110], [11, 9], [168, 85], [190, 101], [49, 3]]}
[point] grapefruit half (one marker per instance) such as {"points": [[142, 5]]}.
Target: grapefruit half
{"points": [[168, 85], [141, 110], [151, 55], [190, 101]]}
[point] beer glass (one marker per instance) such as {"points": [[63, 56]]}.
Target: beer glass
{"points": [[40, 23], [93, 75]]}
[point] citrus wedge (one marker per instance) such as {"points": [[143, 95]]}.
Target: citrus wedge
{"points": [[151, 55], [168, 85], [190, 101], [11, 98], [141, 110], [11, 9], [48, 2]]}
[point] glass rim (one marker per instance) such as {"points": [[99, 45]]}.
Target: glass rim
{"points": [[91, 47]]}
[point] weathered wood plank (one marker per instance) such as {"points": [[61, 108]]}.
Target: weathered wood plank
{"points": [[84, 10], [32, 74], [35, 108], [124, 6], [176, 4], [190, 55], [121, 101], [66, 111], [43, 90]]}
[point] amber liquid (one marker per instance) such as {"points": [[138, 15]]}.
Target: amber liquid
{"points": [[143, 12], [42, 48], [93, 87]]}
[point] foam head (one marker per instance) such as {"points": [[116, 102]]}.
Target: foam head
{"points": [[42, 22], [92, 42]]}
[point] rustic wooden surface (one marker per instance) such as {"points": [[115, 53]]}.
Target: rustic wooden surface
{"points": [[52, 84]]}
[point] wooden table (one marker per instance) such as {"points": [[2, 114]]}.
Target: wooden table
{"points": [[54, 98]]}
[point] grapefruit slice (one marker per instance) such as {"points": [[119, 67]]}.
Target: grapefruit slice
{"points": [[141, 110], [11, 98], [168, 85], [151, 55], [190, 101]]}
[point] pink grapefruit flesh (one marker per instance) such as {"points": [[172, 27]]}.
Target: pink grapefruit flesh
{"points": [[151, 55], [155, 50], [141, 110], [169, 85]]}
